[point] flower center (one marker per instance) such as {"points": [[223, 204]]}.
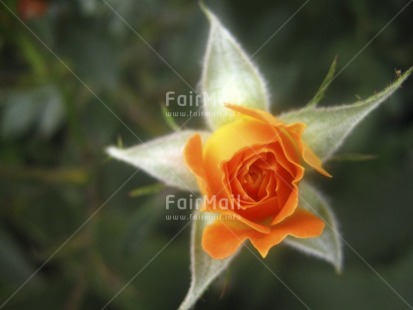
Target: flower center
{"points": [[256, 177], [252, 176]]}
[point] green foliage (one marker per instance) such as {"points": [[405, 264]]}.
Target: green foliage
{"points": [[204, 269], [162, 158], [328, 127], [51, 182], [40, 109], [228, 76], [324, 85], [329, 245]]}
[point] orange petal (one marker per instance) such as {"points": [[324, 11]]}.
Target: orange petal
{"points": [[296, 130], [222, 239], [258, 216], [289, 206], [193, 159], [236, 137], [228, 140], [266, 117], [290, 135], [290, 149], [193, 155], [312, 159], [212, 205], [301, 224], [254, 113]]}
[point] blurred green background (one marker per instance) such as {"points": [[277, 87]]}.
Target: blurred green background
{"points": [[73, 62]]}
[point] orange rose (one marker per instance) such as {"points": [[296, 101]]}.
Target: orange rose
{"points": [[31, 9], [248, 172]]}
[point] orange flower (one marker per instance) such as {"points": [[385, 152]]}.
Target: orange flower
{"points": [[248, 172], [31, 9]]}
